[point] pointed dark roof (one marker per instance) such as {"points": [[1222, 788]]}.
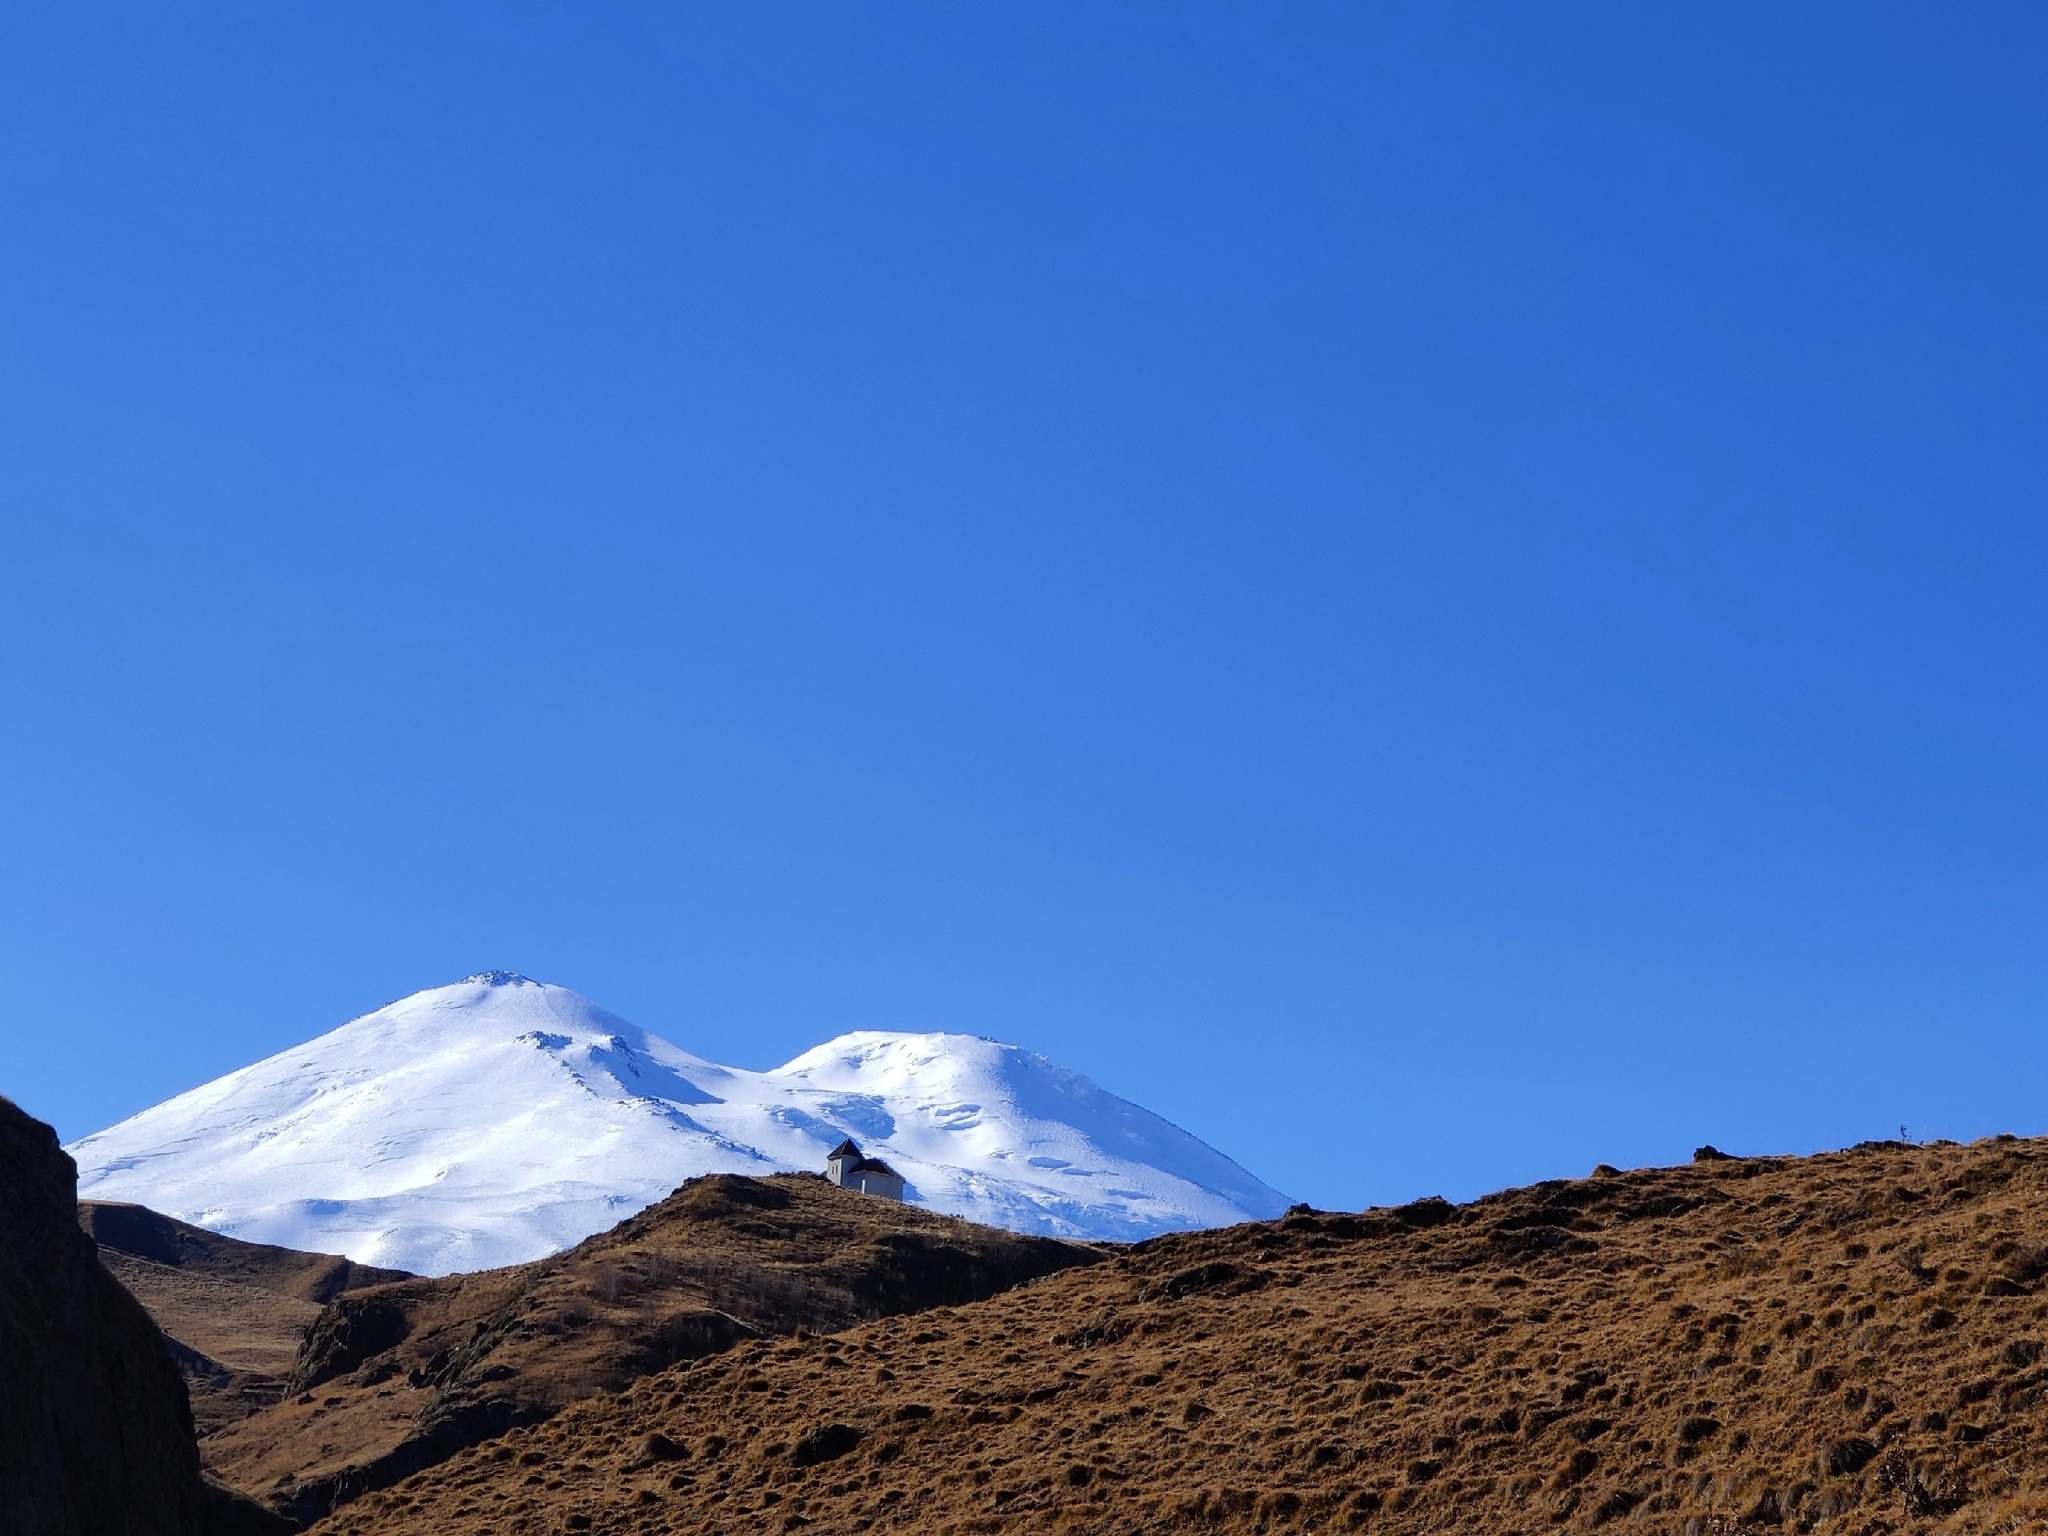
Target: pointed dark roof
{"points": [[845, 1149]]}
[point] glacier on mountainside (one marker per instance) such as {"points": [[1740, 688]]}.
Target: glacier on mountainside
{"points": [[501, 1119]]}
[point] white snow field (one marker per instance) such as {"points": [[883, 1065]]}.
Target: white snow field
{"points": [[501, 1119]]}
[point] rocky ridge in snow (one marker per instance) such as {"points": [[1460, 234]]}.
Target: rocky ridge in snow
{"points": [[500, 1119]]}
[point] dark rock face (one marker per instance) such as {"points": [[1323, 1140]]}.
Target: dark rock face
{"points": [[95, 1431], [349, 1332]]}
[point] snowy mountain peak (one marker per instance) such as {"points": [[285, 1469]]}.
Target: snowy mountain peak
{"points": [[502, 1118]]}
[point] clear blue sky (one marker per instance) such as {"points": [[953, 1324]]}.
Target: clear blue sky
{"points": [[1439, 593]]}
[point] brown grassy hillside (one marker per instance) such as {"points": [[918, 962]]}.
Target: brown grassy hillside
{"points": [[234, 1313], [1851, 1342], [400, 1377]]}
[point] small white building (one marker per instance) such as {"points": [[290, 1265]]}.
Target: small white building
{"points": [[849, 1169]]}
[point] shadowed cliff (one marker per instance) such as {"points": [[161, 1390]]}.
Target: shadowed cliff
{"points": [[95, 1429]]}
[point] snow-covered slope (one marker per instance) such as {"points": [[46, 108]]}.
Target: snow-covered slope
{"points": [[500, 1119]]}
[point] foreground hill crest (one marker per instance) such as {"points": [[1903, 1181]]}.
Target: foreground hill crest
{"points": [[395, 1378], [500, 1119], [1855, 1343]]}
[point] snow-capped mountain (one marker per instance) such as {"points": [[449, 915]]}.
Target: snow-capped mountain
{"points": [[501, 1119]]}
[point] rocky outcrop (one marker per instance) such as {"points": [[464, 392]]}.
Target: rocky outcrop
{"points": [[95, 1430]]}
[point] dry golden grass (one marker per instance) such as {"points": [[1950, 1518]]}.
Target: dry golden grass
{"points": [[1851, 1342], [399, 1377], [235, 1312]]}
